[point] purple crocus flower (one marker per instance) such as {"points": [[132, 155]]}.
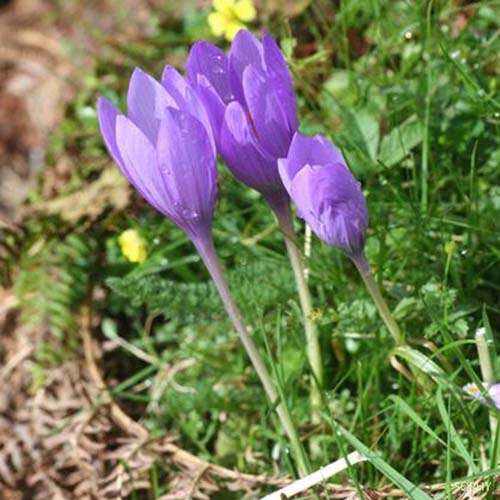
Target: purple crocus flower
{"points": [[165, 148], [327, 195], [330, 200], [252, 107], [250, 100]]}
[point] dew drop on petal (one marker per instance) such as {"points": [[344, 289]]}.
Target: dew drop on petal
{"points": [[186, 212]]}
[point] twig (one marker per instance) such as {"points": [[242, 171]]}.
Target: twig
{"points": [[196, 480], [134, 350], [15, 361], [317, 477]]}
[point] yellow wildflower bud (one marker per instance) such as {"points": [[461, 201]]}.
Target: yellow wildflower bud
{"points": [[450, 247], [132, 245]]}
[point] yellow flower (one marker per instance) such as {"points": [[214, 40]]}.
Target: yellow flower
{"points": [[229, 17], [450, 247], [316, 315], [132, 245]]}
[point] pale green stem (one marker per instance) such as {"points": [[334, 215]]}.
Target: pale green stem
{"points": [[424, 182], [488, 376], [365, 271], [207, 252], [307, 249], [487, 371], [311, 330]]}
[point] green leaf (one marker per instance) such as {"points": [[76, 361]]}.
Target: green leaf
{"points": [[410, 412], [420, 361], [400, 141], [369, 127], [453, 434]]}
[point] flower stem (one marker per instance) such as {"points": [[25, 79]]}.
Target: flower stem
{"points": [[207, 252], [488, 376], [312, 339], [307, 248], [365, 271]]}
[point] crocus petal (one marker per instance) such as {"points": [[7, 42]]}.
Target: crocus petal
{"points": [[175, 85], [494, 393], [186, 99], [245, 50], [283, 171], [266, 113], [139, 163], [107, 115], [213, 105], [187, 164], [330, 200], [146, 102], [280, 79], [211, 62], [244, 157], [314, 150]]}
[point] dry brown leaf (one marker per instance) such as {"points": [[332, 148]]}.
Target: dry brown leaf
{"points": [[110, 190]]}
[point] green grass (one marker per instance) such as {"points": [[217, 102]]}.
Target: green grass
{"points": [[411, 97]]}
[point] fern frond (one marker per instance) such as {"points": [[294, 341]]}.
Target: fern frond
{"points": [[53, 282]]}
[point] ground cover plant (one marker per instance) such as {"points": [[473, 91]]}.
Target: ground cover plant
{"points": [[130, 371]]}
